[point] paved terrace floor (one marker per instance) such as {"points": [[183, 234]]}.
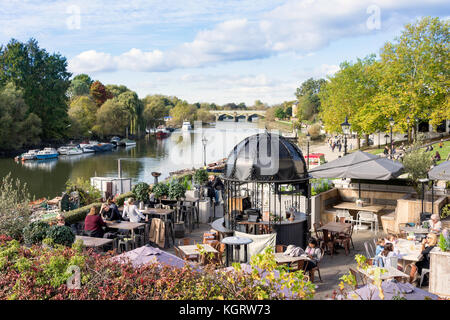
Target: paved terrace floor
{"points": [[331, 267]]}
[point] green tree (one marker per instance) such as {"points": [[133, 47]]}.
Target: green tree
{"points": [[19, 127], [155, 109], [84, 78], [135, 108], [82, 114], [183, 112], [116, 90], [44, 80], [279, 113], [78, 88], [205, 116], [308, 99], [113, 118]]}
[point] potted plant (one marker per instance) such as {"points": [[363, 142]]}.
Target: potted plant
{"points": [[160, 190], [141, 192], [176, 190]]}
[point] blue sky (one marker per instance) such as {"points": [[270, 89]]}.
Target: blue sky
{"points": [[215, 51]]}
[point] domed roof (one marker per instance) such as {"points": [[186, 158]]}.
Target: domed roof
{"points": [[265, 157]]}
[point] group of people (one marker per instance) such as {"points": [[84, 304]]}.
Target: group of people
{"points": [[385, 248], [95, 225], [397, 153], [336, 142]]}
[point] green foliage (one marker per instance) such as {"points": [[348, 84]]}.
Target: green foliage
{"points": [[417, 163], [319, 186], [120, 199], [183, 112], [79, 214], [35, 232], [78, 88], [308, 99], [82, 114], [99, 93], [112, 118], [201, 176], [176, 189], [314, 131], [187, 184], [445, 211], [160, 190], [61, 235], [141, 191], [88, 193], [15, 212], [43, 79], [19, 126], [444, 243]]}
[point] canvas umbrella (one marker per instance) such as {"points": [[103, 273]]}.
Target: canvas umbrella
{"points": [[359, 165], [147, 254], [391, 289]]}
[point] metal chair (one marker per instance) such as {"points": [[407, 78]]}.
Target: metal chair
{"points": [[422, 276], [370, 252], [343, 215], [368, 217]]}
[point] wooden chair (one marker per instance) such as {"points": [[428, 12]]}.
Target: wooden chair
{"points": [[184, 242], [319, 233], [345, 238], [328, 242]]}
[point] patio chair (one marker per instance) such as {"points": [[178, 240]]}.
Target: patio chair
{"points": [[422, 276], [370, 252], [280, 248], [328, 242], [319, 233], [343, 215], [344, 239], [184, 242], [368, 217]]}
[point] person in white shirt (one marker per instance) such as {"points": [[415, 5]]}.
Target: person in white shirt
{"points": [[386, 254], [435, 223], [131, 212]]}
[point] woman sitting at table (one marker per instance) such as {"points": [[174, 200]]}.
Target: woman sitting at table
{"points": [[314, 254], [109, 211], [93, 224], [435, 223], [131, 212], [386, 254], [427, 245]]}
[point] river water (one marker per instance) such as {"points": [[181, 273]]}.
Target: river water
{"points": [[180, 150]]}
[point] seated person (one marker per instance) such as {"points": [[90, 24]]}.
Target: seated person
{"points": [[313, 253], [437, 156], [427, 245], [386, 254], [60, 221], [380, 246], [131, 212], [214, 186], [435, 223], [110, 211], [391, 239], [93, 224]]}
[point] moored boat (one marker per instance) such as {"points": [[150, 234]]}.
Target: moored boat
{"points": [[162, 132], [30, 155], [47, 153], [74, 151], [186, 126], [115, 140], [126, 143]]}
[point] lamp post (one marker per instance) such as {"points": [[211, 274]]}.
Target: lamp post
{"points": [[408, 120], [423, 181], [308, 138], [346, 130], [391, 123], [204, 141]]}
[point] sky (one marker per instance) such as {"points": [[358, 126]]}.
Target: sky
{"points": [[211, 51]]}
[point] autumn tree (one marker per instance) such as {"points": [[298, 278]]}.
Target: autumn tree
{"points": [[99, 93]]}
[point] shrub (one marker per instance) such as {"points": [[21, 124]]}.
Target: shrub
{"points": [[417, 163], [120, 199], [61, 235], [314, 131], [176, 190], [445, 211], [35, 232], [88, 193], [160, 190], [141, 191], [201, 176], [15, 212]]}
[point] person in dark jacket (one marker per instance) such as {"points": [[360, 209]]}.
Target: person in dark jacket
{"points": [[93, 224], [110, 211], [214, 186], [427, 245]]}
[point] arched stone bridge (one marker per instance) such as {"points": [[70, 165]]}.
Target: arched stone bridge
{"points": [[248, 115]]}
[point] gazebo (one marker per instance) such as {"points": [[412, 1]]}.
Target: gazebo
{"points": [[265, 179]]}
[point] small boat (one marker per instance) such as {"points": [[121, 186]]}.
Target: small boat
{"points": [[162, 132], [47, 153], [126, 143], [115, 140], [186, 126], [63, 150], [88, 149], [30, 155], [74, 151], [102, 147], [87, 143]]}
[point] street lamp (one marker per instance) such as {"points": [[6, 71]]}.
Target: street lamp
{"points": [[386, 136], [408, 120], [346, 129], [204, 141], [391, 123], [308, 139], [423, 182]]}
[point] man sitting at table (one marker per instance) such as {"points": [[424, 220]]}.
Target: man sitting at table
{"points": [[427, 245], [435, 223], [131, 212], [110, 212]]}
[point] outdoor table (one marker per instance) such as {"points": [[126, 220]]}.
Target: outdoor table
{"points": [[125, 225], [336, 227], [193, 249], [408, 251], [389, 274], [414, 230], [163, 214], [236, 242], [92, 242], [351, 206], [282, 258]]}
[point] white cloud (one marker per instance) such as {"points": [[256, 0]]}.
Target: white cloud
{"points": [[295, 26], [93, 61]]}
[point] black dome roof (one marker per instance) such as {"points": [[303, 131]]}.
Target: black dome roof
{"points": [[265, 157]]}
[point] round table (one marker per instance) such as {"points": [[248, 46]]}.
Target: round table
{"points": [[236, 242]]}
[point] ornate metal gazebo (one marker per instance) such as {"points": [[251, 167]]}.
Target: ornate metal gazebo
{"points": [[265, 178]]}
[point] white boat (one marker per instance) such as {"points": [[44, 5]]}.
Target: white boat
{"points": [[63, 150], [91, 143], [88, 149], [30, 155], [126, 143], [47, 153], [186, 126], [74, 151]]}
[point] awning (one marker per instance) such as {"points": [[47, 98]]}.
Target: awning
{"points": [[440, 172]]}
